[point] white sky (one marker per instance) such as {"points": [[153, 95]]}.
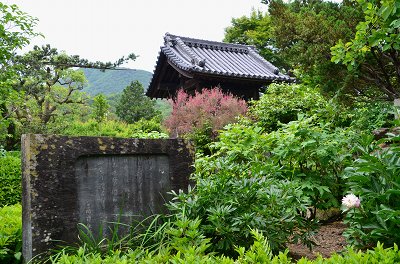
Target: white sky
{"points": [[106, 30]]}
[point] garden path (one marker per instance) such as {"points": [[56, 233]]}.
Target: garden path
{"points": [[329, 240]]}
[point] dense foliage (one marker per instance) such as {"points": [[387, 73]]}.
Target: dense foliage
{"points": [[113, 128], [11, 234], [134, 105], [100, 107], [258, 253], [375, 178], [15, 31], [297, 37], [374, 52], [10, 178], [282, 103]]}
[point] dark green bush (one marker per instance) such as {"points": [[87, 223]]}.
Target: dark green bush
{"points": [[10, 178], [11, 234]]}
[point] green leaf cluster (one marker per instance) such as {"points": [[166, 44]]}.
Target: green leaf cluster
{"points": [[297, 36], [281, 103], [100, 107], [373, 53], [114, 128], [375, 178], [11, 234], [134, 105], [10, 178]]}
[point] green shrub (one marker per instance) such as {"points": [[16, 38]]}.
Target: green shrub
{"points": [[114, 128], [11, 234], [281, 103], [314, 154], [375, 178], [236, 190], [10, 178]]}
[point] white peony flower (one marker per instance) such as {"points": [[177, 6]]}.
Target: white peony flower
{"points": [[351, 201]]}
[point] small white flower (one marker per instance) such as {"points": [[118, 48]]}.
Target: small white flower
{"points": [[351, 201]]}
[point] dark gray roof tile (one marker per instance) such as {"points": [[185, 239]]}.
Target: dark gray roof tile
{"points": [[218, 58]]}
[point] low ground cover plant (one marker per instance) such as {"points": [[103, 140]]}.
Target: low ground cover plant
{"points": [[259, 252]]}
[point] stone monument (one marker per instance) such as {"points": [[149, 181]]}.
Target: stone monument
{"points": [[94, 181]]}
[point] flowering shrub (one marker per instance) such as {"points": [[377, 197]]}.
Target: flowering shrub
{"points": [[209, 109], [375, 178]]}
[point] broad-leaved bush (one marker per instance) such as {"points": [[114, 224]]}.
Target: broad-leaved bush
{"points": [[236, 191], [314, 154], [375, 178]]}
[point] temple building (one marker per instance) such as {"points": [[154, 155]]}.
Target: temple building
{"points": [[194, 64]]}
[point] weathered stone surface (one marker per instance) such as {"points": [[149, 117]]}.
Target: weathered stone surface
{"points": [[93, 180]]}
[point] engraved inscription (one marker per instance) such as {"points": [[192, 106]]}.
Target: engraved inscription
{"points": [[120, 188]]}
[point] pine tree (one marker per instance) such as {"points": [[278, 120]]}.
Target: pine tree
{"points": [[134, 105]]}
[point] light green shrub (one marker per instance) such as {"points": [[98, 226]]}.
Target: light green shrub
{"points": [[10, 178], [281, 103], [114, 128], [11, 234]]}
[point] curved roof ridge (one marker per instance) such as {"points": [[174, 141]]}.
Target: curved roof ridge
{"points": [[211, 44]]}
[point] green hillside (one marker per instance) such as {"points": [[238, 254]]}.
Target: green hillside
{"points": [[113, 81]]}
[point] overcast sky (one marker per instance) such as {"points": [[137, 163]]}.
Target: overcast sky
{"points": [[108, 29]]}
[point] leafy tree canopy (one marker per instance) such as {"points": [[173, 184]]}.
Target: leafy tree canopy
{"points": [[135, 105], [298, 35], [40, 86], [373, 53], [16, 28], [255, 30]]}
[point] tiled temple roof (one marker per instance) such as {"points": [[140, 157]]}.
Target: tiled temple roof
{"points": [[218, 58]]}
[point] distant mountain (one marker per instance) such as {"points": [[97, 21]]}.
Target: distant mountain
{"points": [[113, 81]]}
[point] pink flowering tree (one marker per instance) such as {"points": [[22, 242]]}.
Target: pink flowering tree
{"points": [[207, 111]]}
